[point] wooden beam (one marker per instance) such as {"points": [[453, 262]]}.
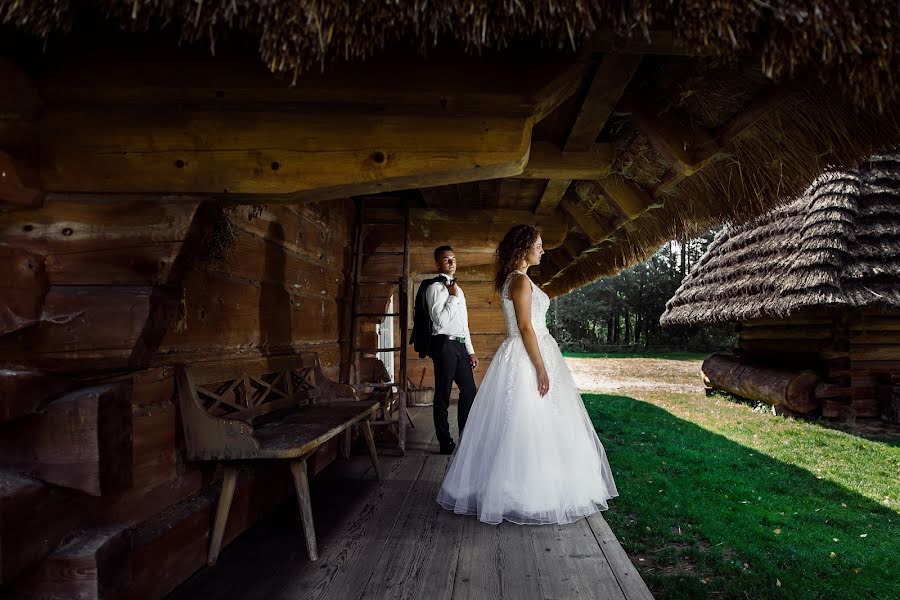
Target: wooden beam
{"points": [[759, 107], [563, 87], [686, 149], [628, 196], [288, 156], [93, 564], [80, 441], [547, 161], [446, 82], [609, 82], [25, 391], [592, 227], [34, 519], [553, 193]]}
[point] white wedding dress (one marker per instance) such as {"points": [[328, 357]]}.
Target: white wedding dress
{"points": [[525, 458]]}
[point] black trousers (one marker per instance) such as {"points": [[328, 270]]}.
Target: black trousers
{"points": [[451, 363]]}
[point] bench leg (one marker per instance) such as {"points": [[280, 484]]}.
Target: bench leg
{"points": [[370, 442], [346, 442], [301, 483], [229, 479]]}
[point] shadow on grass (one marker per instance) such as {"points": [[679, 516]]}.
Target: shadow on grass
{"points": [[713, 518], [873, 429]]}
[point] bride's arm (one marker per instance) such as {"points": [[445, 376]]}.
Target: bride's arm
{"points": [[520, 294]]}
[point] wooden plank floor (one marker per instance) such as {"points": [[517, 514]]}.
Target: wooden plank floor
{"points": [[392, 540]]}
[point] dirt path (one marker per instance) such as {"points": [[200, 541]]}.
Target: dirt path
{"points": [[617, 375]]}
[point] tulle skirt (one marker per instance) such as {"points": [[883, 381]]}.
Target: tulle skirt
{"points": [[524, 458]]}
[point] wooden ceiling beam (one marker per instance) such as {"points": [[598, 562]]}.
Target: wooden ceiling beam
{"points": [[595, 229], [290, 157], [629, 197], [560, 89], [711, 145], [553, 193], [612, 76], [686, 149], [547, 161], [473, 229], [607, 86]]}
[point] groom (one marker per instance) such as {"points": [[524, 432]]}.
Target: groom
{"points": [[450, 346]]}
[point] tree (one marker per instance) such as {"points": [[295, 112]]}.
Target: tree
{"points": [[623, 311]]}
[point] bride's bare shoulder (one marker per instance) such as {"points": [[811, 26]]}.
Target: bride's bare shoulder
{"points": [[519, 285]]}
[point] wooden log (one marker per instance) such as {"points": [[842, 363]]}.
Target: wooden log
{"points": [[95, 565], [594, 228], [22, 289], [792, 389], [831, 390], [224, 313], [82, 440], [25, 391], [547, 161], [83, 328], [312, 156], [146, 264], [75, 223], [34, 518], [169, 547]]}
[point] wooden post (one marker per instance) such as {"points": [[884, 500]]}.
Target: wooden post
{"points": [[301, 483], [373, 453], [229, 479]]}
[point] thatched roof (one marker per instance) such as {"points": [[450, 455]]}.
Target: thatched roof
{"points": [[299, 36], [780, 93], [836, 246]]}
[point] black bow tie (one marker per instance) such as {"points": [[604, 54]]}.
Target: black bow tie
{"points": [[451, 282]]}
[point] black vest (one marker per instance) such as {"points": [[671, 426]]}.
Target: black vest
{"points": [[421, 333]]}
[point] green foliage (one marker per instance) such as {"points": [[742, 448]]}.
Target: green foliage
{"points": [[622, 312], [719, 501]]}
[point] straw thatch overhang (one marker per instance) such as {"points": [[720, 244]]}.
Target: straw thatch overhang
{"points": [[835, 247], [623, 124]]}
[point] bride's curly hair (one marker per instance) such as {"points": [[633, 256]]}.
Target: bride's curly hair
{"points": [[511, 251]]}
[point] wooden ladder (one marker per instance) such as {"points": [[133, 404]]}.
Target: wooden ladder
{"points": [[396, 391]]}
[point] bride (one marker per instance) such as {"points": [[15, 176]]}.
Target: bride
{"points": [[529, 453]]}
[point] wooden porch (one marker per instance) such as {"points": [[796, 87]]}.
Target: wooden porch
{"points": [[392, 540]]}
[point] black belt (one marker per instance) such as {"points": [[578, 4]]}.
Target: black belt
{"points": [[451, 338]]}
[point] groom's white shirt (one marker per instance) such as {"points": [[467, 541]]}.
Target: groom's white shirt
{"points": [[448, 313]]}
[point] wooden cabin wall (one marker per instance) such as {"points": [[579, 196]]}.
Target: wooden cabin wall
{"points": [[108, 296], [875, 364], [857, 353]]}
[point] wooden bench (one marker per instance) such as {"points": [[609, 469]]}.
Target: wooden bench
{"points": [[264, 409]]}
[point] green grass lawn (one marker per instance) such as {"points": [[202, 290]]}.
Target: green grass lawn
{"points": [[721, 501], [666, 355]]}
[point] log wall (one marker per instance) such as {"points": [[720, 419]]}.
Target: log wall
{"points": [[856, 353], [109, 294]]}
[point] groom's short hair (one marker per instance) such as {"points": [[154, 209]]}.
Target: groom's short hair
{"points": [[440, 250]]}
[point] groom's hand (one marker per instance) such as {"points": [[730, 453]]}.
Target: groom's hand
{"points": [[473, 360], [451, 287]]}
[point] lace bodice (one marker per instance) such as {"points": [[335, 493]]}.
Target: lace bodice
{"points": [[540, 302]]}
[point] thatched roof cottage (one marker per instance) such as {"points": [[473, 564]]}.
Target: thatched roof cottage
{"points": [[814, 284]]}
